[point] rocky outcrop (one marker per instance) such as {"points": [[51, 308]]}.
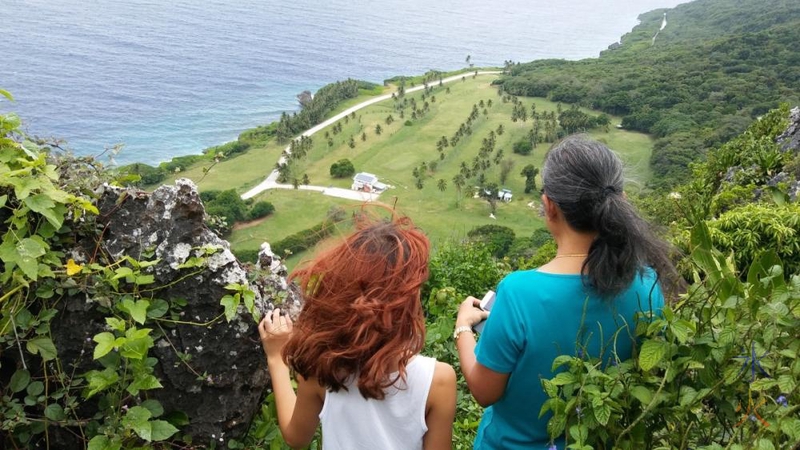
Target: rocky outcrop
{"points": [[790, 139], [212, 370]]}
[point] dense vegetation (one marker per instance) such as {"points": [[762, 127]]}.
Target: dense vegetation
{"points": [[717, 65]]}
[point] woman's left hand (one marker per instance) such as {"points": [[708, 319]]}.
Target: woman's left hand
{"points": [[274, 330], [470, 312]]}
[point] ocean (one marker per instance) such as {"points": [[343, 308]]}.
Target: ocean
{"points": [[166, 79]]}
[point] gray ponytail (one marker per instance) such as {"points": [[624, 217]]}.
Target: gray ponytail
{"points": [[584, 178]]}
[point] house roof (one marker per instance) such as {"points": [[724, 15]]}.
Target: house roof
{"points": [[366, 178]]}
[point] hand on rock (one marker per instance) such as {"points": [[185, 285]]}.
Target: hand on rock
{"points": [[275, 330]]}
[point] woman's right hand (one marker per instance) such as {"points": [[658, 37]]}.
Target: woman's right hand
{"points": [[470, 312], [274, 330]]}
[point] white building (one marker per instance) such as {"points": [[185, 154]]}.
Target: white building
{"points": [[367, 182]]}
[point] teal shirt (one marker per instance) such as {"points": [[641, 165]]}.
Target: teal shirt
{"points": [[537, 317]]}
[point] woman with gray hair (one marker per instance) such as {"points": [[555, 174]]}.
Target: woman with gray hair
{"points": [[609, 266]]}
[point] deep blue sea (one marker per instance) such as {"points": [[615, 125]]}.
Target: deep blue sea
{"points": [[169, 78]]}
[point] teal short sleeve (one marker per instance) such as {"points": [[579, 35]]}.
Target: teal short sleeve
{"points": [[503, 338]]}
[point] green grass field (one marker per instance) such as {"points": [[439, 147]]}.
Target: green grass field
{"points": [[394, 153]]}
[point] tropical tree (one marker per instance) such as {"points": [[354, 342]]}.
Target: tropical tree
{"points": [[459, 181], [378, 129], [442, 184], [529, 172]]}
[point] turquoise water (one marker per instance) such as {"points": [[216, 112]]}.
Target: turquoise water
{"points": [[172, 78]]}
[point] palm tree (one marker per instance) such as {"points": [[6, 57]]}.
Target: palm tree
{"points": [[442, 184], [459, 181]]}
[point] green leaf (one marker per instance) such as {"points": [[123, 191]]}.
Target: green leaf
{"points": [[682, 329], [101, 442], [42, 346], [230, 302], [143, 382], [249, 300], [28, 253], [99, 381], [7, 95], [549, 388], [651, 354], [19, 380], [115, 324], [641, 393], [144, 279], [35, 388], [122, 272], [161, 430], [177, 418], [564, 378], [157, 308], [786, 383], [791, 427], [154, 406], [105, 343], [137, 309], [137, 343], [764, 444], [136, 419], [560, 361], [55, 412], [602, 413], [44, 205]]}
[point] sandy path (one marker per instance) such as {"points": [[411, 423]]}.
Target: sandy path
{"points": [[271, 181]]}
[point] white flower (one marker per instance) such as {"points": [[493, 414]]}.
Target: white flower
{"points": [[674, 195]]}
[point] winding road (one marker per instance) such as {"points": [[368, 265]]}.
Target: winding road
{"points": [[271, 182]]}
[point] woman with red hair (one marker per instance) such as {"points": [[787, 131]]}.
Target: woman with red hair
{"points": [[355, 348]]}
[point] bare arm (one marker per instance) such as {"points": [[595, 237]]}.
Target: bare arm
{"points": [[440, 409], [298, 415], [486, 385]]}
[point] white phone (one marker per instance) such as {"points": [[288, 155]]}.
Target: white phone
{"points": [[486, 304]]}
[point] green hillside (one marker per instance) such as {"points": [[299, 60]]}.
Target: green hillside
{"points": [[715, 67]]}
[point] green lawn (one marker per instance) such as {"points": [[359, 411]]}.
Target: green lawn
{"points": [[394, 153]]}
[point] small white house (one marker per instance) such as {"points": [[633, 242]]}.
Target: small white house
{"points": [[367, 182], [504, 195]]}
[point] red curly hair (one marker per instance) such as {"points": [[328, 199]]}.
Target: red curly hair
{"points": [[362, 314]]}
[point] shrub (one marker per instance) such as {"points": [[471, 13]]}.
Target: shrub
{"points": [[467, 267], [249, 255], [342, 168], [523, 147], [260, 209], [409, 123], [181, 163], [304, 239], [147, 174], [497, 238], [227, 204]]}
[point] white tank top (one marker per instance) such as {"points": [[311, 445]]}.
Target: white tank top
{"points": [[350, 422]]}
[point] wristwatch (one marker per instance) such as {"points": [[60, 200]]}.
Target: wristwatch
{"points": [[459, 330]]}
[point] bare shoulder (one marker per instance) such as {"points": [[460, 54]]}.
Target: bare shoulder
{"points": [[443, 375], [312, 385]]}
